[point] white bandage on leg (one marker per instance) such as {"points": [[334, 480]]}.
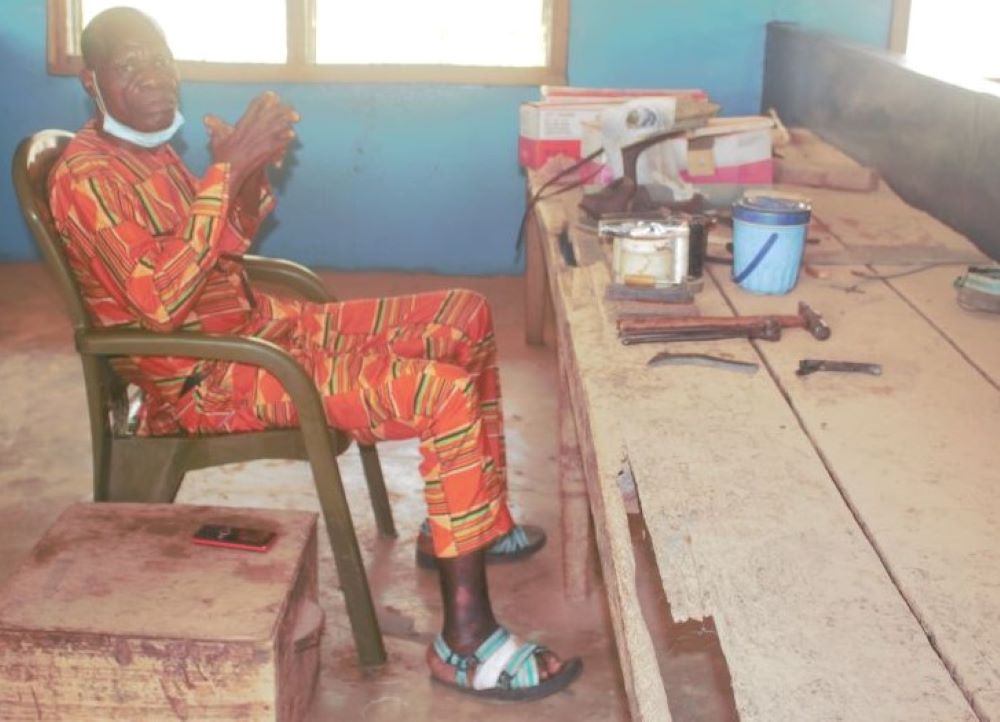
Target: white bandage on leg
{"points": [[488, 672]]}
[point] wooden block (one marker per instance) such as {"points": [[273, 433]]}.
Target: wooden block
{"points": [[819, 175], [117, 615]]}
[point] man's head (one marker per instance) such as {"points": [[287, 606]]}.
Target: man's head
{"points": [[128, 65]]}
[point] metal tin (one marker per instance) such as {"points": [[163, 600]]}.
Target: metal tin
{"points": [[654, 251]]}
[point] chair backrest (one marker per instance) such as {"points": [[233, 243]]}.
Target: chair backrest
{"points": [[33, 160], [107, 397]]}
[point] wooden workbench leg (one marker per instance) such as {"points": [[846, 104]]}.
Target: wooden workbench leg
{"points": [[536, 291], [576, 525]]}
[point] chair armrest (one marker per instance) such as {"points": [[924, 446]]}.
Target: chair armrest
{"points": [[287, 274], [254, 351]]}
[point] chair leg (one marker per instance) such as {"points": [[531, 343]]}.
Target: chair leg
{"points": [[347, 556], [149, 473], [377, 491], [101, 447]]}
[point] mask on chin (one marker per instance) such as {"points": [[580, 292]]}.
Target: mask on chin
{"points": [[114, 127]]}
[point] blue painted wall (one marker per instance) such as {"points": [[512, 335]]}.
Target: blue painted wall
{"points": [[426, 177]]}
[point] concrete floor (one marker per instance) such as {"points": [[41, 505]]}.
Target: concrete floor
{"points": [[45, 465]]}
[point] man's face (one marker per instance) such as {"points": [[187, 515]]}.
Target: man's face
{"points": [[137, 78]]}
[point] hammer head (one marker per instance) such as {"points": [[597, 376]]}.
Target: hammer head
{"points": [[813, 322]]}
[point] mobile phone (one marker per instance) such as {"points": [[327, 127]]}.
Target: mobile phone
{"points": [[234, 537]]}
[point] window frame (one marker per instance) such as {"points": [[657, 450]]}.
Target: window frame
{"points": [[899, 27], [63, 56]]}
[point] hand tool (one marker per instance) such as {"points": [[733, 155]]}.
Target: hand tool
{"points": [[665, 358], [808, 366], [806, 318], [768, 330]]}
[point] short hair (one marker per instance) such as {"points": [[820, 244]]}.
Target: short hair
{"points": [[96, 37]]}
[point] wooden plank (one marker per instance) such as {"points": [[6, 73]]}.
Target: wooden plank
{"points": [[633, 414], [581, 340], [574, 508], [749, 530], [877, 227], [915, 453], [823, 176], [841, 222], [915, 450], [755, 535], [976, 335]]}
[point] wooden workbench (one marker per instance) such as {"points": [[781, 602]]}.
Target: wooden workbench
{"points": [[842, 531]]}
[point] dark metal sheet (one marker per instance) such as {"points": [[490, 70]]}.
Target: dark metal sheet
{"points": [[936, 143]]}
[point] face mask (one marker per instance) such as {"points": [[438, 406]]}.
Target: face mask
{"points": [[114, 127]]}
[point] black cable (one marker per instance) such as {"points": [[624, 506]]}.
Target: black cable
{"points": [[519, 245], [910, 272]]}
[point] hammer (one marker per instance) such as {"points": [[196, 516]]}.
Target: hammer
{"points": [[806, 318]]}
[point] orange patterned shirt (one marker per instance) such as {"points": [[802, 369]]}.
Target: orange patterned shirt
{"points": [[154, 246]]}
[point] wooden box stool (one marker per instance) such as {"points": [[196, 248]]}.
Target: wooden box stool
{"points": [[117, 615]]}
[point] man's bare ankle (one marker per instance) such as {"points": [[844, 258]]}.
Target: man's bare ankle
{"points": [[467, 640]]}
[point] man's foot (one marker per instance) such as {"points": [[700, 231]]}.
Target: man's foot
{"points": [[502, 667], [520, 542]]}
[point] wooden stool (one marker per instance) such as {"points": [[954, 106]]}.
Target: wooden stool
{"points": [[116, 614]]}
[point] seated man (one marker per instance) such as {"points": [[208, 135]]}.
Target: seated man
{"points": [[152, 245]]}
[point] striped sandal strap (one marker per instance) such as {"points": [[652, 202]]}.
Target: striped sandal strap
{"points": [[501, 661]]}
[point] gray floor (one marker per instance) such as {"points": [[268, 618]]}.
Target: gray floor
{"points": [[45, 465]]}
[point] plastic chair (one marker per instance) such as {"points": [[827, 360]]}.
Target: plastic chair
{"points": [[128, 467]]}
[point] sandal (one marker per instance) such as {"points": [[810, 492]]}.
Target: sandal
{"points": [[504, 668], [520, 542]]}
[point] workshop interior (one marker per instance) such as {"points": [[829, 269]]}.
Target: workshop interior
{"points": [[743, 264]]}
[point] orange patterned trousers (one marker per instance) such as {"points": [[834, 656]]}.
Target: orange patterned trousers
{"points": [[421, 366]]}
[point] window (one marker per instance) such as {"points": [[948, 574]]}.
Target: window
{"points": [[512, 42], [953, 37]]}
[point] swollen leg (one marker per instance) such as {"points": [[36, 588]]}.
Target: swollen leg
{"points": [[468, 615]]}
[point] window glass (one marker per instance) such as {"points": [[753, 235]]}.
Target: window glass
{"points": [[955, 36], [228, 31], [502, 33]]}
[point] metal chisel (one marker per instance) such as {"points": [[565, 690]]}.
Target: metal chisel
{"points": [[666, 358]]}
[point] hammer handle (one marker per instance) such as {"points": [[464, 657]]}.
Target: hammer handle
{"points": [[768, 331], [667, 323]]}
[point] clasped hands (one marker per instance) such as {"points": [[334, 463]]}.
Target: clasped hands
{"points": [[259, 138]]}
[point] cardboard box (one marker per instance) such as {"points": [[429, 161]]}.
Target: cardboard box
{"points": [[551, 129], [555, 125], [742, 158], [117, 615]]}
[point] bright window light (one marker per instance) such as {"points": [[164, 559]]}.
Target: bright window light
{"points": [[226, 31], [510, 33], [955, 37]]}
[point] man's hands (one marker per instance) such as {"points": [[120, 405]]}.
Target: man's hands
{"points": [[260, 137]]}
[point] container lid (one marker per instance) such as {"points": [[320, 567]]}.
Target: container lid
{"points": [[646, 230], [772, 209]]}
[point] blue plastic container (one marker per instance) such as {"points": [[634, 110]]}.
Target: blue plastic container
{"points": [[769, 235]]}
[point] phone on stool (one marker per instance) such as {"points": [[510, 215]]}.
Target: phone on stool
{"points": [[234, 537]]}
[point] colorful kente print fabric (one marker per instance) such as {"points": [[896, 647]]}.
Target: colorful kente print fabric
{"points": [[154, 246]]}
